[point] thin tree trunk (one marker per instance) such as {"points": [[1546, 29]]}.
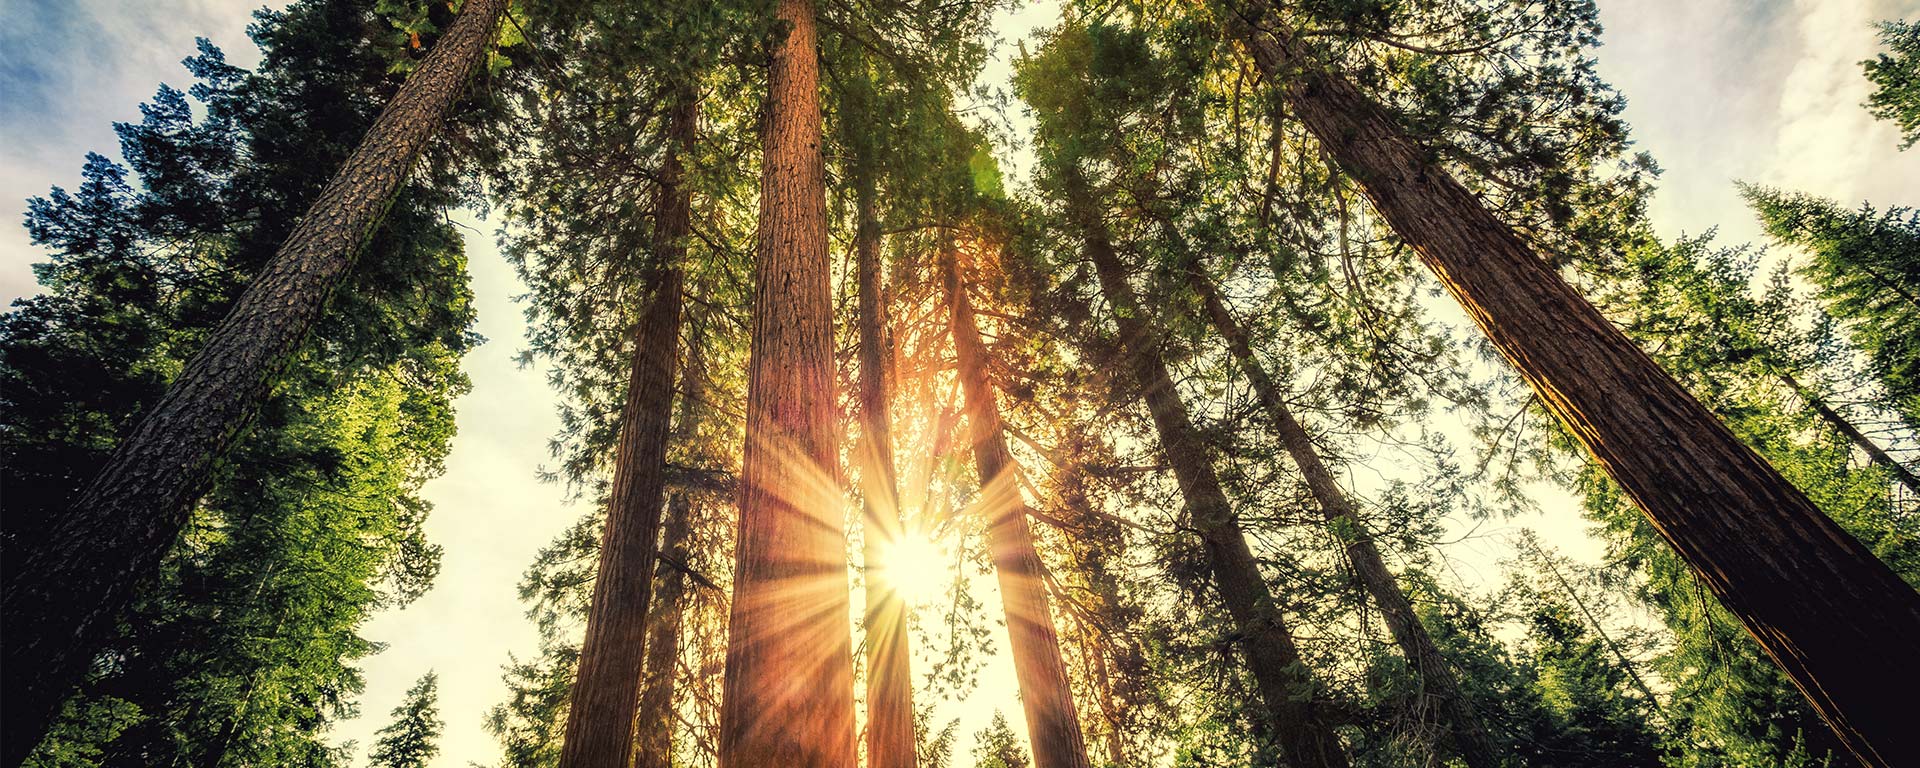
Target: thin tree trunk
{"points": [[654, 719], [1827, 611], [1469, 734], [606, 690], [63, 605], [1287, 687], [788, 700], [890, 737], [1053, 727], [1840, 424]]}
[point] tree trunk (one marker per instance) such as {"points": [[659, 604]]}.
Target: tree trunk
{"points": [[1840, 424], [1053, 727], [1827, 611], [890, 737], [1469, 734], [1287, 688], [654, 718], [606, 690], [62, 607], [788, 700]]}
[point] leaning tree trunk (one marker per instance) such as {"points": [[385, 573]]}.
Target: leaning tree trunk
{"points": [[600, 714], [63, 605], [1839, 422], [1822, 606], [1053, 727], [890, 737], [1287, 687], [1469, 734], [653, 725], [788, 700]]}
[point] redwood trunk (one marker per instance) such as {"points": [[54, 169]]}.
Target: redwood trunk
{"points": [[654, 721], [606, 690], [788, 695], [1822, 606], [1287, 688], [1053, 727], [68, 595], [890, 737], [1469, 734]]}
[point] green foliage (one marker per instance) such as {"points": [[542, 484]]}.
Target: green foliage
{"points": [[408, 742], [1866, 265], [1693, 307], [996, 746], [1896, 79], [243, 651]]}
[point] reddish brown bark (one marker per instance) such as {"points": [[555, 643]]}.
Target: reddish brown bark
{"points": [[62, 606], [1287, 688], [1820, 604], [606, 690], [654, 719], [1053, 727], [890, 738], [788, 695], [1469, 734]]}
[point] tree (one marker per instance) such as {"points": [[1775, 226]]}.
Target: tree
{"points": [[996, 747], [1896, 78], [1052, 724], [1866, 265], [890, 732], [1469, 734], [789, 678], [606, 690], [408, 742], [245, 648], [1817, 600], [1288, 693], [83, 578]]}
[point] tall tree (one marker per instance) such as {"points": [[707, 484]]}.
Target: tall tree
{"points": [[244, 649], [1053, 726], [890, 735], [409, 741], [788, 699], [81, 581], [607, 687], [1470, 736], [654, 733], [1287, 689], [1866, 265], [1818, 602]]}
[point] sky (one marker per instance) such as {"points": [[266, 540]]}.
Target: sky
{"points": [[1765, 91]]}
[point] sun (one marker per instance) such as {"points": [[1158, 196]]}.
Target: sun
{"points": [[915, 567]]}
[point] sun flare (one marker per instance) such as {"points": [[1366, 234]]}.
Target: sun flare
{"points": [[915, 567]]}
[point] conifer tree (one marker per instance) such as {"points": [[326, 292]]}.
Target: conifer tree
{"points": [[789, 678], [409, 741], [83, 577]]}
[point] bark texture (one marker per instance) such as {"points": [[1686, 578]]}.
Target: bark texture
{"points": [[606, 689], [72, 590], [890, 738], [788, 695], [1820, 604], [1469, 734], [1287, 688], [653, 722], [1053, 726]]}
